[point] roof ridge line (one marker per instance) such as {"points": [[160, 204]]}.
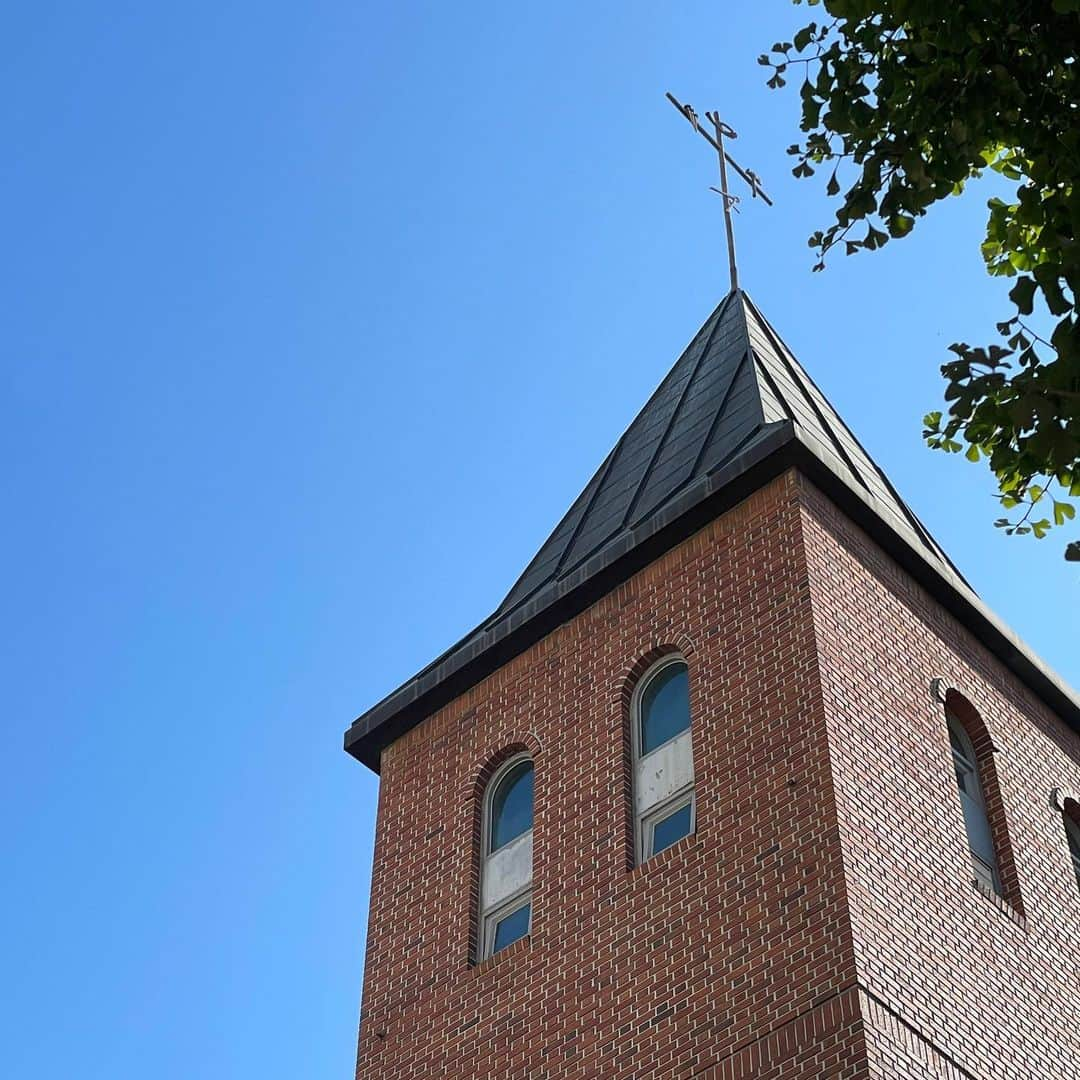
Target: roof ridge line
{"points": [[912, 518], [745, 297], [781, 351], [774, 387]]}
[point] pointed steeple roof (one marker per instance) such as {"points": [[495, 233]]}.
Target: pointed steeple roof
{"points": [[736, 386], [736, 410]]}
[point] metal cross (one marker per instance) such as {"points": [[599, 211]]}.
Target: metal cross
{"points": [[722, 131]]}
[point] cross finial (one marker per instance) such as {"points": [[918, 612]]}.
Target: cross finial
{"points": [[722, 131]]}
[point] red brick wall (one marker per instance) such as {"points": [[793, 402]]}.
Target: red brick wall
{"points": [[961, 985], [727, 955], [821, 923]]}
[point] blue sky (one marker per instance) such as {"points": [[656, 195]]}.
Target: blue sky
{"points": [[316, 318]]}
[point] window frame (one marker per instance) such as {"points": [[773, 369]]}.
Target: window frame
{"points": [[955, 727], [496, 781], [646, 820], [661, 812], [497, 914], [653, 670], [489, 917]]}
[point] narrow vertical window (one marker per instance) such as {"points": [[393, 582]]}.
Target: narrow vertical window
{"points": [[664, 803], [973, 803], [1072, 833], [506, 871]]}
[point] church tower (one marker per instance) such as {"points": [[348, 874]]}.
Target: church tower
{"points": [[741, 779]]}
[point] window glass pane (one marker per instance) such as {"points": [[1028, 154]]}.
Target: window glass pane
{"points": [[978, 830], [514, 926], [965, 778], [976, 823], [665, 706], [963, 753], [674, 827], [512, 806]]}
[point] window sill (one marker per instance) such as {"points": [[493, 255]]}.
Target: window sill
{"points": [[513, 949], [999, 902]]}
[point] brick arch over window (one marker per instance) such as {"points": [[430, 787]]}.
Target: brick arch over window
{"points": [[681, 646], [517, 743], [959, 707], [624, 693]]}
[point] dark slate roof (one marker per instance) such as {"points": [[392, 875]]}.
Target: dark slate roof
{"points": [[734, 382], [735, 410]]}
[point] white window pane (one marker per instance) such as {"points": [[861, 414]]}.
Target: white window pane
{"points": [[507, 871], [663, 773]]}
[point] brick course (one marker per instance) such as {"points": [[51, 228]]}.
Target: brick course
{"points": [[819, 923]]}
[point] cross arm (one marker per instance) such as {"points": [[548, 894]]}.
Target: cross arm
{"points": [[753, 181]]}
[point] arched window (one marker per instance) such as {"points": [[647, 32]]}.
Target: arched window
{"points": [[506, 870], [973, 802], [664, 804], [1072, 833]]}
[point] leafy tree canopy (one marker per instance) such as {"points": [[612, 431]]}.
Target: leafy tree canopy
{"points": [[903, 103]]}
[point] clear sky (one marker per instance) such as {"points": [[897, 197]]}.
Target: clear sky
{"points": [[315, 319]]}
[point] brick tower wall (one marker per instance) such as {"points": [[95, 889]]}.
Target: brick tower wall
{"points": [[954, 984], [728, 955]]}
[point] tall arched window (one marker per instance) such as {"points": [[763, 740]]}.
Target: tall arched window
{"points": [[973, 802], [506, 870], [664, 804], [1072, 833]]}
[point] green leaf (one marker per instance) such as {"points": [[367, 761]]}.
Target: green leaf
{"points": [[972, 453], [1063, 512], [900, 224], [1022, 295]]}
